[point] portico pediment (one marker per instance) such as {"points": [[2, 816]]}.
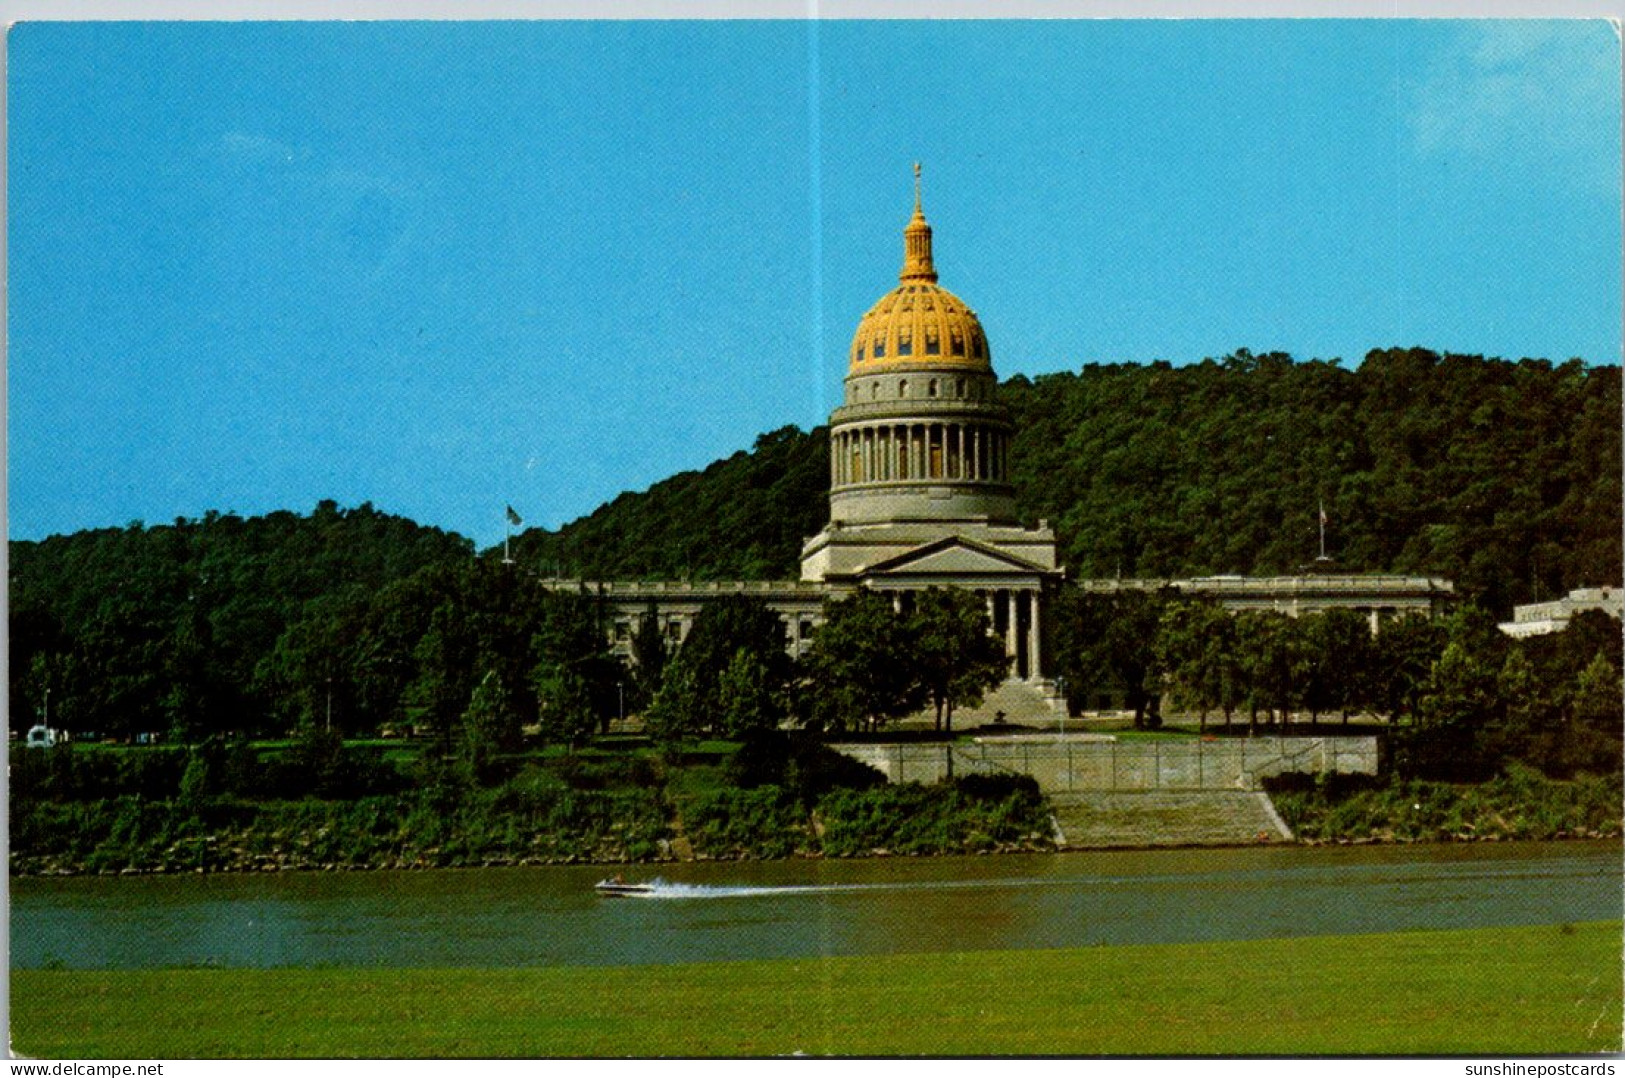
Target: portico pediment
{"points": [[954, 556]]}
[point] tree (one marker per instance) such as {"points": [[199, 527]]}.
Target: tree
{"points": [[675, 713], [1597, 716], [1518, 731], [953, 651], [1406, 650], [1340, 654], [858, 669], [570, 638], [309, 672], [1110, 637], [1196, 644], [1274, 663], [1457, 703], [489, 726], [749, 702], [648, 655], [445, 657], [720, 632], [565, 704]]}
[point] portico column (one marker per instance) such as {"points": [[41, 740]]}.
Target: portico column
{"points": [[1033, 667], [1012, 644]]}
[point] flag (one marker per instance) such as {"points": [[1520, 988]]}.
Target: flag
{"points": [[513, 518]]}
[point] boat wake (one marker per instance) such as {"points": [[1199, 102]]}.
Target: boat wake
{"points": [[659, 888]]}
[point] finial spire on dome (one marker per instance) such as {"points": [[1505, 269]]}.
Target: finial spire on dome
{"points": [[917, 264]]}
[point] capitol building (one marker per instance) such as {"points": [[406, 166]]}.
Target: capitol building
{"points": [[920, 497]]}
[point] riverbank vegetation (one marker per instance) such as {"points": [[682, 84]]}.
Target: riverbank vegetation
{"points": [[1442, 993], [240, 807], [1520, 803]]}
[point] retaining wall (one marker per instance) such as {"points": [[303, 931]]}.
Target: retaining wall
{"points": [[1064, 765]]}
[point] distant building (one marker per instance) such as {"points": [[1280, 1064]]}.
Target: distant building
{"points": [[920, 497], [1380, 597], [1538, 619]]}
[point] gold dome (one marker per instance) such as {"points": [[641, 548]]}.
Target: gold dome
{"points": [[919, 323]]}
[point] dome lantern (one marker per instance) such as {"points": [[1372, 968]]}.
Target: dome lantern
{"points": [[917, 242]]}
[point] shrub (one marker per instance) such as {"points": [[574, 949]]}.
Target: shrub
{"points": [[911, 818], [817, 770], [765, 821]]}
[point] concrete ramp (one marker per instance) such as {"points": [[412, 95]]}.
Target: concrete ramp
{"points": [[1094, 820]]}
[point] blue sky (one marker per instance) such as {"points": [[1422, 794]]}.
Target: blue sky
{"points": [[446, 267]]}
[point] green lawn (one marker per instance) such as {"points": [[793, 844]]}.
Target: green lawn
{"points": [[1541, 990]]}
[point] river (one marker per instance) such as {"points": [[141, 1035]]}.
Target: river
{"points": [[787, 909]]}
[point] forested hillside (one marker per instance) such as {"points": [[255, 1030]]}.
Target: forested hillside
{"points": [[743, 518], [127, 621], [1503, 476]]}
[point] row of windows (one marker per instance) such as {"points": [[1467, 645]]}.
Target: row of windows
{"points": [[931, 344], [674, 629], [935, 387]]}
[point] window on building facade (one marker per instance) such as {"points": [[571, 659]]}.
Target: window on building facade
{"points": [[905, 342], [880, 347]]}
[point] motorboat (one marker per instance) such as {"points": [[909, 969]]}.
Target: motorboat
{"points": [[616, 887]]}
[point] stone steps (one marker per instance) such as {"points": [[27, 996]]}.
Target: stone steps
{"points": [[1021, 702], [1166, 818]]}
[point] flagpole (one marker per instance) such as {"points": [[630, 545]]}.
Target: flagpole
{"points": [[509, 519]]}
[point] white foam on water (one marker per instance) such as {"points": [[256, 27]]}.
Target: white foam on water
{"points": [[661, 888]]}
